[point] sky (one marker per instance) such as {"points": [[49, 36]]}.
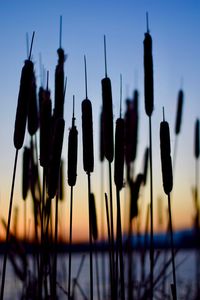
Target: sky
{"points": [[174, 26]]}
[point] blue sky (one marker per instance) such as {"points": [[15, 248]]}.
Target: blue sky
{"points": [[174, 26]]}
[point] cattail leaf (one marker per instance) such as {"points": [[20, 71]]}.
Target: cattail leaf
{"points": [[93, 217], [148, 75], [196, 140], [107, 118], [25, 174], [23, 102], [165, 151], [119, 154], [87, 136], [55, 157]]}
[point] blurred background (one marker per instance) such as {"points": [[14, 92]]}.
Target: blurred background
{"points": [[174, 26]]}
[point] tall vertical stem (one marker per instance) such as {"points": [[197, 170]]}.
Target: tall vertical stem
{"points": [[8, 226], [70, 242], [90, 239], [172, 251], [151, 211]]}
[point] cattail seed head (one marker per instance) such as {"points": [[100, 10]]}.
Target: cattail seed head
{"points": [[45, 125], [119, 154], [25, 174], [93, 217], [55, 157], [165, 151], [87, 135], [196, 142], [59, 85], [134, 126], [33, 121], [148, 75], [72, 155], [23, 103], [179, 112], [107, 118], [61, 181], [101, 142]]}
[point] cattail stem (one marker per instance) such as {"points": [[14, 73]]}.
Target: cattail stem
{"points": [[111, 219], [8, 226], [110, 251], [174, 294], [120, 246], [175, 153], [151, 211], [90, 239], [70, 242], [25, 221], [55, 249], [103, 263], [97, 274]]}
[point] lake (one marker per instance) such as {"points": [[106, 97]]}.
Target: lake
{"points": [[185, 271]]}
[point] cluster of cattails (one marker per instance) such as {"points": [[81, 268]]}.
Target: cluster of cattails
{"points": [[118, 145]]}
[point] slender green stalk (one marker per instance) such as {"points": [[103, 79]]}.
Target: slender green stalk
{"points": [[70, 242], [8, 227], [119, 242], [151, 210], [173, 286], [90, 240]]}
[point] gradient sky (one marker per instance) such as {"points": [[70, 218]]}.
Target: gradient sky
{"points": [[174, 26]]}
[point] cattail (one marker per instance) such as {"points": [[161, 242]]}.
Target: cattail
{"points": [[59, 81], [72, 152], [55, 157], [23, 102], [101, 142], [148, 73], [59, 85], [61, 182], [93, 217], [134, 126], [196, 139], [107, 113], [45, 125], [33, 121], [119, 148], [166, 157], [145, 169], [87, 131], [135, 189], [25, 174], [127, 120], [179, 112], [119, 154]]}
